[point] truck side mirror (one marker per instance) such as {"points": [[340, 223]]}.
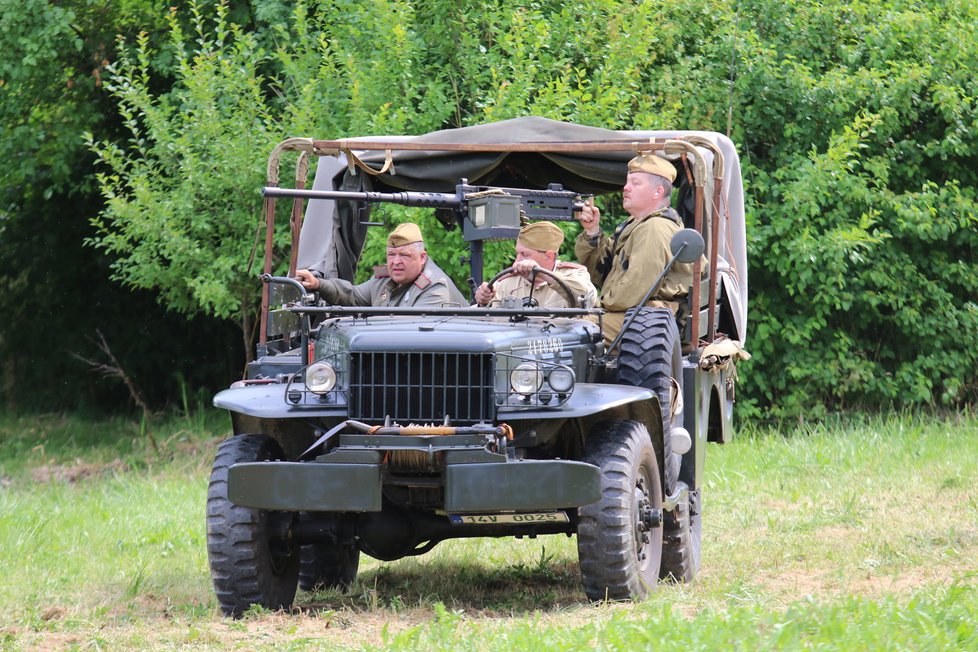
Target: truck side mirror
{"points": [[693, 248]]}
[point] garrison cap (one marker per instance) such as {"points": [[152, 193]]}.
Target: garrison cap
{"points": [[542, 236], [404, 234], [653, 165]]}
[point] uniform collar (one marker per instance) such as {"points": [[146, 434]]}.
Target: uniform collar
{"points": [[422, 282]]}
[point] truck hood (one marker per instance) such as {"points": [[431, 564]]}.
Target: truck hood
{"points": [[457, 334]]}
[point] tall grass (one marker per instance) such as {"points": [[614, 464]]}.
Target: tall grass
{"points": [[862, 535]]}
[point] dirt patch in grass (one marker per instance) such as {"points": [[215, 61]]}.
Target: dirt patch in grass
{"points": [[794, 584], [333, 621], [338, 628], [74, 472]]}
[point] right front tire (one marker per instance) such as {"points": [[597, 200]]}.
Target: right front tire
{"points": [[250, 562], [619, 538]]}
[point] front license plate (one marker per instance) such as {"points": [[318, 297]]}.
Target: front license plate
{"points": [[500, 519]]}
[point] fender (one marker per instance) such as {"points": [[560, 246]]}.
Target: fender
{"points": [[268, 401]]}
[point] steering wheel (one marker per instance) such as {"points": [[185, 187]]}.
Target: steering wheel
{"points": [[564, 290]]}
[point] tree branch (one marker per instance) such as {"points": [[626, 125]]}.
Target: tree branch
{"points": [[115, 370]]}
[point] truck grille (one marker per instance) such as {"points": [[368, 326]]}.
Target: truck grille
{"points": [[421, 387]]}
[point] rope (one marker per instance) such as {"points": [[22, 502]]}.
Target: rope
{"points": [[353, 162]]}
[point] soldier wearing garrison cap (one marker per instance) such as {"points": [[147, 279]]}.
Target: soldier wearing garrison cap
{"points": [[409, 278], [536, 246], [626, 263]]}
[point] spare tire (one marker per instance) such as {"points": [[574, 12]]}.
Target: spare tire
{"points": [[650, 356]]}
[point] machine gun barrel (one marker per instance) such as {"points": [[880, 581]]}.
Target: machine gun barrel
{"points": [[416, 199], [554, 203]]}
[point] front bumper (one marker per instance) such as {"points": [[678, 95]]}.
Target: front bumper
{"points": [[513, 485]]}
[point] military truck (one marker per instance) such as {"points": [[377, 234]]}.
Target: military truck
{"points": [[385, 431]]}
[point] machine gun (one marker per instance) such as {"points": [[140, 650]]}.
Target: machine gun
{"points": [[485, 212]]}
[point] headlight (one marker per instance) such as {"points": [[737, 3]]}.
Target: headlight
{"points": [[561, 380], [526, 378], [320, 377]]}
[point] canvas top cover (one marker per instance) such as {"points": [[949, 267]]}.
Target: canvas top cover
{"points": [[528, 152]]}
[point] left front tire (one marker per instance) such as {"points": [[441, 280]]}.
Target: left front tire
{"points": [[250, 562]]}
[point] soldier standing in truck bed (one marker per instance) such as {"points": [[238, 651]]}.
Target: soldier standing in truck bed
{"points": [[410, 278], [626, 264]]}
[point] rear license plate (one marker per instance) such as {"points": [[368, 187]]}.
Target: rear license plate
{"points": [[506, 519]]}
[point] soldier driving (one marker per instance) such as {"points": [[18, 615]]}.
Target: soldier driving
{"points": [[536, 247]]}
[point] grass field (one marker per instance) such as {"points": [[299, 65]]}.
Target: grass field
{"points": [[863, 535]]}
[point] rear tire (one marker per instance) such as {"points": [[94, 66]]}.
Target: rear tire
{"points": [[248, 565], [328, 566], [681, 538], [619, 538]]}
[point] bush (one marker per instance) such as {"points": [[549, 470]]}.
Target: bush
{"points": [[863, 228], [858, 140]]}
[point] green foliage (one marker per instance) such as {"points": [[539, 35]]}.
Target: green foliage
{"points": [[40, 111], [861, 142], [51, 90], [181, 194], [180, 197], [22, 65], [356, 67], [51, 75], [858, 140]]}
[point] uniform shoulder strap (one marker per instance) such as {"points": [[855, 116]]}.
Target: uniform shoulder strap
{"points": [[604, 266]]}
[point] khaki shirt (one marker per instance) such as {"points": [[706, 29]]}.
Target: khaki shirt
{"points": [[639, 256], [549, 295], [433, 288]]}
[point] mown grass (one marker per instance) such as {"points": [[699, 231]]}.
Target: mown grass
{"points": [[862, 535]]}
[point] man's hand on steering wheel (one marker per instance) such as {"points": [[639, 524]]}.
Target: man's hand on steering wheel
{"points": [[525, 267], [484, 294], [308, 280], [561, 287]]}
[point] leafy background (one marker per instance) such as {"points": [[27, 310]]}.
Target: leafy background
{"points": [[134, 137]]}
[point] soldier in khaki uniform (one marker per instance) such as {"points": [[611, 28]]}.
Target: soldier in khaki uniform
{"points": [[536, 246], [626, 264], [410, 278]]}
